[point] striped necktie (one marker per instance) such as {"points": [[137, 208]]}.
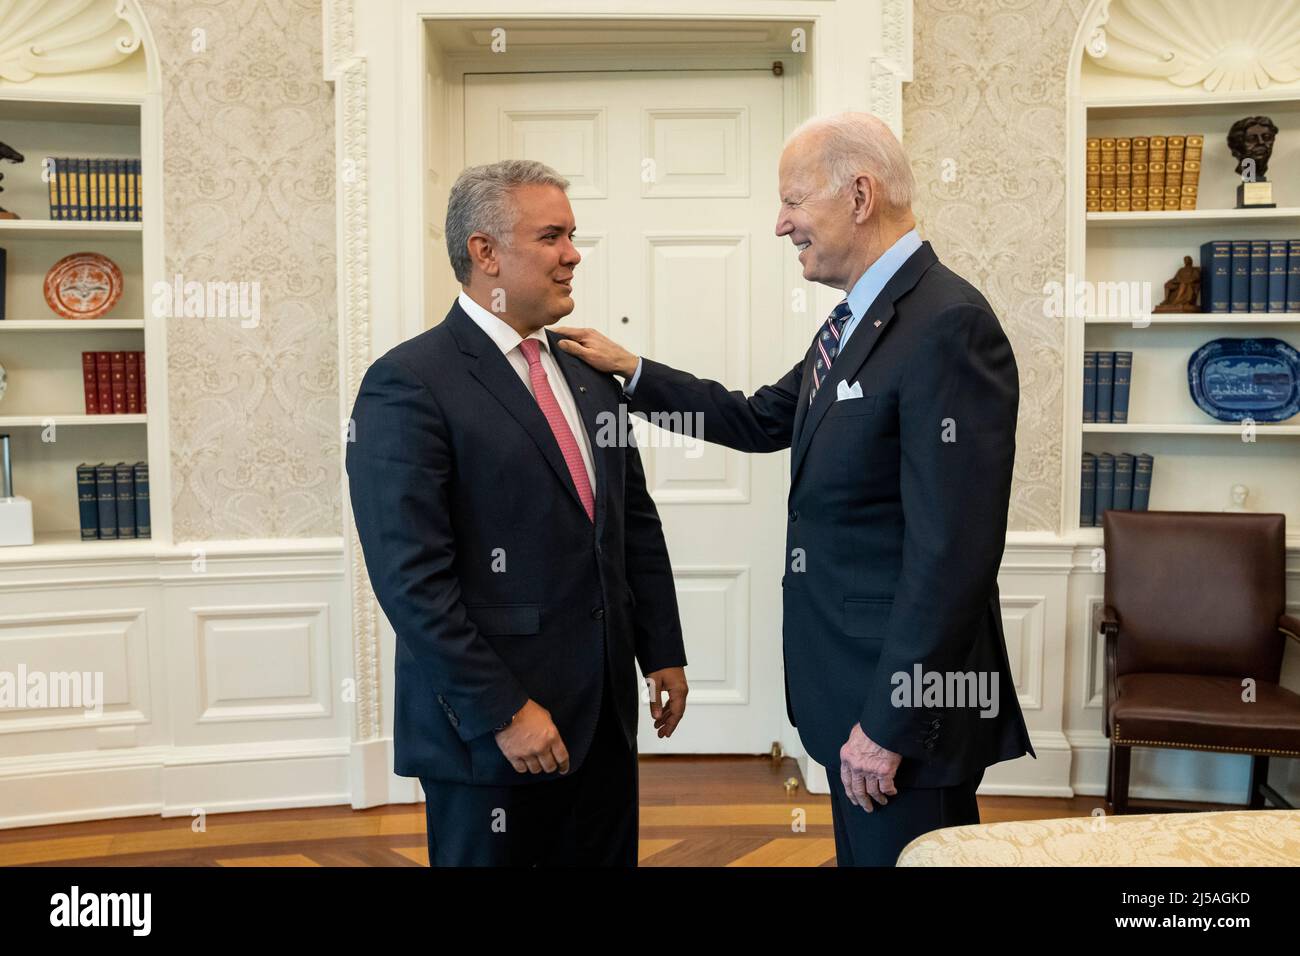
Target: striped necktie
{"points": [[828, 345]]}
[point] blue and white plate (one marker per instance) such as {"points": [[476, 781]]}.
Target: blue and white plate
{"points": [[1235, 379]]}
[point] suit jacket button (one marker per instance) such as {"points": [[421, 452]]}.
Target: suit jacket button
{"points": [[794, 516], [935, 723], [598, 613]]}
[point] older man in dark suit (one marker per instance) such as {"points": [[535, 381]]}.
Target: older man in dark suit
{"points": [[901, 419]]}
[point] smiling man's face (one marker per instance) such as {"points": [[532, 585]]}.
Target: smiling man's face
{"points": [[536, 269], [818, 222]]}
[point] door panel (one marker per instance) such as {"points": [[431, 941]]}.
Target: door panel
{"points": [[674, 186]]}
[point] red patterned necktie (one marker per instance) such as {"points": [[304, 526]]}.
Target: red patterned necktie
{"points": [[559, 425]]}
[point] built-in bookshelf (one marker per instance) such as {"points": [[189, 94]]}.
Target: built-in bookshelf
{"points": [[1197, 459], [43, 410]]}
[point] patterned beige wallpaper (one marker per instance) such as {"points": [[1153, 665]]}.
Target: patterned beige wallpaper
{"points": [[984, 124], [249, 167], [248, 145]]}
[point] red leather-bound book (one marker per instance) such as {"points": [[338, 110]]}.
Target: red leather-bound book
{"points": [[144, 389], [90, 382], [119, 383], [133, 383], [104, 381]]}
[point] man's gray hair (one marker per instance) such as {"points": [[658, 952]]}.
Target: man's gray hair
{"points": [[480, 201], [857, 143]]}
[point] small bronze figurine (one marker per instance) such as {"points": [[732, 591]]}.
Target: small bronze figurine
{"points": [[9, 154], [1183, 291], [1251, 141]]}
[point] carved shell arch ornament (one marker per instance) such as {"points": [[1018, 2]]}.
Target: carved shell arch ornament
{"points": [[43, 37], [1221, 45]]}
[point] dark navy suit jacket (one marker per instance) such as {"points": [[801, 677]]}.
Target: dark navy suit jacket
{"points": [[896, 521], [480, 553]]}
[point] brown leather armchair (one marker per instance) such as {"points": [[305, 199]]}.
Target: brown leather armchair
{"points": [[1194, 608]]}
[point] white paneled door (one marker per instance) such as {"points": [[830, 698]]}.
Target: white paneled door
{"points": [[674, 186]]}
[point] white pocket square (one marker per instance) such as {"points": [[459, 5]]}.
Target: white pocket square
{"points": [[844, 390]]}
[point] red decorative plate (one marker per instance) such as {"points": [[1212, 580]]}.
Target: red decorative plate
{"points": [[84, 285]]}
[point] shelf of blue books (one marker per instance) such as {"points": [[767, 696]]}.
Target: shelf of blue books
{"points": [[1199, 474]]}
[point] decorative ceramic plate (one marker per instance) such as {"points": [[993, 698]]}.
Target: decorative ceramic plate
{"points": [[1234, 379], [84, 285]]}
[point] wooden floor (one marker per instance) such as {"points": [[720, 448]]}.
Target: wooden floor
{"points": [[695, 811]]}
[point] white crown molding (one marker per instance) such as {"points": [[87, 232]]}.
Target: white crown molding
{"points": [[1219, 45]]}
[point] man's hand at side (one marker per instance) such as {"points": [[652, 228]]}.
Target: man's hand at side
{"points": [[601, 353], [867, 770], [672, 680], [532, 743]]}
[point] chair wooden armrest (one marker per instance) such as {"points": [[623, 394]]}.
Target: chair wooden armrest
{"points": [[1110, 628], [1289, 625]]}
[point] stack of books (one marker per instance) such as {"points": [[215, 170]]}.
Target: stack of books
{"points": [[1250, 275], [94, 190], [1143, 173], [1107, 377], [113, 500], [114, 383], [1113, 482]]}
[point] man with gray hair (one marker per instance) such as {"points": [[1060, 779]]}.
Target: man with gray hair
{"points": [[519, 560], [901, 418]]}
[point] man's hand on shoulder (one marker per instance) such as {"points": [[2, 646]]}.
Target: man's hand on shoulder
{"points": [[532, 742], [867, 770], [601, 353]]}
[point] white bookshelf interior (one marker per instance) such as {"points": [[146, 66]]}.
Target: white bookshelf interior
{"points": [[1197, 459], [43, 410]]}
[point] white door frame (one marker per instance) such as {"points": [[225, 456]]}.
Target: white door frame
{"points": [[859, 54]]}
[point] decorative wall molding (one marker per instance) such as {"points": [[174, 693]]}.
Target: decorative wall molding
{"points": [[51, 37], [347, 71], [894, 68], [1220, 45]]}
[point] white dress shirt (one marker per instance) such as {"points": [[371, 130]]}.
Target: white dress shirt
{"points": [[507, 340]]}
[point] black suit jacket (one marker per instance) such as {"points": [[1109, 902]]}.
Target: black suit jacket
{"points": [[497, 584], [894, 534]]}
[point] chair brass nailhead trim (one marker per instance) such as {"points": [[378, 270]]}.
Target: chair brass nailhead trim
{"points": [[1178, 746]]}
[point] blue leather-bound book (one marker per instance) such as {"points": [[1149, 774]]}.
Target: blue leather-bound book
{"points": [[1089, 386], [1142, 482], [1088, 492], [142, 529], [1123, 482], [87, 502], [1216, 276], [136, 210], [1240, 294], [1259, 275], [1277, 275], [106, 492], [1293, 275], [83, 189], [1105, 384], [1119, 390], [125, 479], [1105, 484]]}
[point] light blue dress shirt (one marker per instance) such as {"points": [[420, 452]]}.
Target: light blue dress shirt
{"points": [[862, 294]]}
